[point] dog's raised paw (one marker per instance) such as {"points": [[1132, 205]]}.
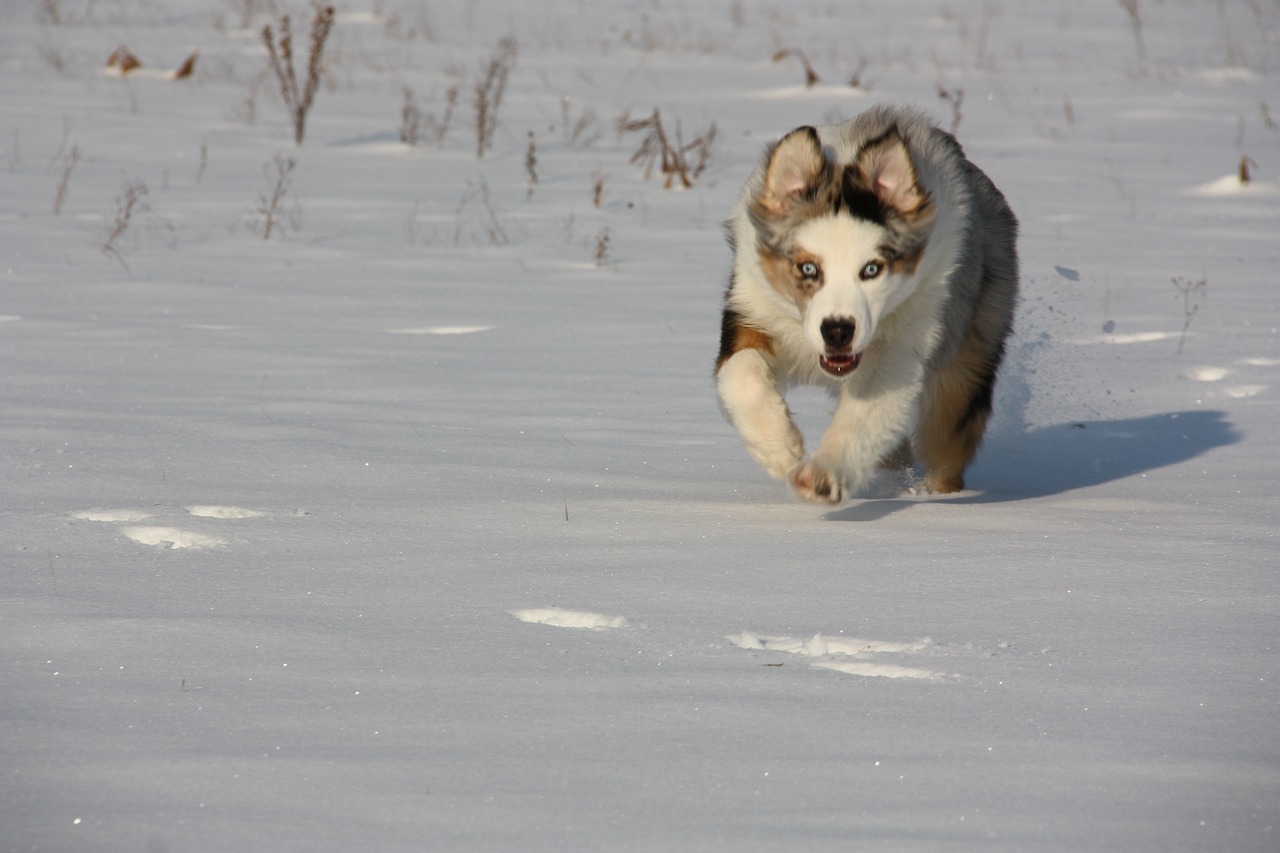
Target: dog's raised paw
{"points": [[812, 482]]}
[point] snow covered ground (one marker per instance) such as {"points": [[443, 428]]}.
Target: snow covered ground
{"points": [[416, 526]]}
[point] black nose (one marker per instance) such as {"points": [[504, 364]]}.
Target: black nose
{"points": [[837, 333]]}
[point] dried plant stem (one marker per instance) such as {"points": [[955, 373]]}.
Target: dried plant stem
{"points": [[811, 77], [602, 247], [597, 188], [53, 573], [955, 97], [672, 159], [497, 234], [440, 128], [531, 165], [69, 165], [1135, 24], [1245, 162], [298, 101], [409, 118], [855, 79], [126, 204], [1192, 293], [269, 202], [489, 91]]}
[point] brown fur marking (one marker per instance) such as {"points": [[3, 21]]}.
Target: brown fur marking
{"points": [[781, 272], [954, 414], [736, 336], [908, 262]]}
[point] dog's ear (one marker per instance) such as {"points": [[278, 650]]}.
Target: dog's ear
{"points": [[885, 169], [796, 167]]}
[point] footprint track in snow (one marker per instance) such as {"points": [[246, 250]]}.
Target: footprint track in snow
{"points": [[168, 536], [440, 330], [172, 537], [1207, 374], [1238, 391], [847, 655], [558, 617], [213, 511]]}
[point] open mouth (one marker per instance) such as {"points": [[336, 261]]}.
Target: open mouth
{"points": [[840, 364]]}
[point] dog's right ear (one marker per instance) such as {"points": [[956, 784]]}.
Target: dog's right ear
{"points": [[796, 167]]}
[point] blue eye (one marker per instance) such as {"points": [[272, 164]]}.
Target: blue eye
{"points": [[871, 270], [807, 269]]}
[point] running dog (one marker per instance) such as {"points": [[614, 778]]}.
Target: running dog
{"points": [[873, 258]]}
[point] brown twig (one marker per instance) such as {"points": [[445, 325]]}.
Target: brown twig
{"points": [[489, 91], [269, 203], [671, 159], [125, 206], [280, 52], [1245, 162], [811, 77], [955, 97], [72, 158], [410, 117]]}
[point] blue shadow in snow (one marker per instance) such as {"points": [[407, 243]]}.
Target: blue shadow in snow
{"points": [[1062, 458]]}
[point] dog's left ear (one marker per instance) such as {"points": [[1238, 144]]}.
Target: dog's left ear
{"points": [[885, 168]]}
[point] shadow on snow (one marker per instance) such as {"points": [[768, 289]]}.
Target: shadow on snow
{"points": [[1062, 458]]}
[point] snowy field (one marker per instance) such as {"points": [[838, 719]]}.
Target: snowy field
{"points": [[416, 526]]}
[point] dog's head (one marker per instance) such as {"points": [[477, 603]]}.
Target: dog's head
{"points": [[842, 241]]}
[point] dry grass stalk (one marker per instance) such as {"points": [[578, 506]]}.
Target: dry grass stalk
{"points": [[811, 77], [269, 202], [126, 204], [855, 79], [1192, 293], [489, 91], [1245, 162], [441, 127], [123, 60], [497, 234], [188, 66], [298, 101], [597, 188], [672, 159], [1131, 8], [410, 118], [531, 165], [602, 247], [955, 97], [575, 132], [69, 165]]}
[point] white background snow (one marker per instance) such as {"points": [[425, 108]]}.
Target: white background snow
{"points": [[417, 527]]}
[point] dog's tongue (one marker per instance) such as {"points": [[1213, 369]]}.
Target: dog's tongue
{"points": [[839, 365]]}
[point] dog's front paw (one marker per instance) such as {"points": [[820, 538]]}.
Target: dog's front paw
{"points": [[812, 482]]}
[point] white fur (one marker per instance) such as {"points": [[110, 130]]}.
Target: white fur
{"points": [[845, 247], [751, 400], [898, 326]]}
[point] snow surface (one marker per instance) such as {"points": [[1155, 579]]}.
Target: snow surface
{"points": [[300, 535]]}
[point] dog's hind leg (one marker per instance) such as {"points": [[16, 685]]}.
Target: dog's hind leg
{"points": [[954, 412], [901, 457]]}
